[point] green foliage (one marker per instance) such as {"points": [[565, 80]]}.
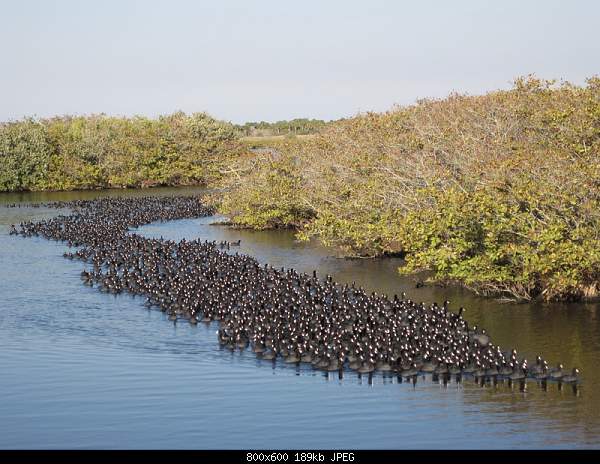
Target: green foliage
{"points": [[24, 155], [518, 243], [273, 199], [67, 153], [499, 192]]}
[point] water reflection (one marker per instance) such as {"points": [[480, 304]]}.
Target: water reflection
{"points": [[566, 332], [49, 322]]}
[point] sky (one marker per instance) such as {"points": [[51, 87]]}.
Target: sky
{"points": [[248, 60]]}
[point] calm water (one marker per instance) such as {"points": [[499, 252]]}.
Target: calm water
{"points": [[82, 369]]}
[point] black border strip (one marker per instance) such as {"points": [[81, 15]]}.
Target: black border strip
{"points": [[302, 456]]}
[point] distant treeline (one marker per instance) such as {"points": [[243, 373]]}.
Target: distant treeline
{"points": [[66, 153], [499, 192], [299, 126]]}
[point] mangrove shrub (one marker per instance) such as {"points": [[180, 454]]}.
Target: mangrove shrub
{"points": [[99, 151], [498, 192]]}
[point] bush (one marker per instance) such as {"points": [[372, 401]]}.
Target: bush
{"points": [[24, 155], [517, 243], [272, 198], [498, 192], [67, 153]]}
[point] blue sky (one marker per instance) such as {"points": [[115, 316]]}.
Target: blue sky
{"points": [[246, 60]]}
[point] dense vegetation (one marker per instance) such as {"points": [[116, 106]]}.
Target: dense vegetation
{"points": [[499, 192], [66, 153]]}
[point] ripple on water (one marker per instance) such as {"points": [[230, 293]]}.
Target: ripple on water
{"points": [[85, 369]]}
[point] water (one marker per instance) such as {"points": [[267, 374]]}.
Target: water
{"points": [[83, 369]]}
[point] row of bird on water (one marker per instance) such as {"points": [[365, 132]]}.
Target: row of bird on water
{"points": [[277, 313]]}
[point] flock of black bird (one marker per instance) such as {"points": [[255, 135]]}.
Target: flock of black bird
{"points": [[277, 313]]}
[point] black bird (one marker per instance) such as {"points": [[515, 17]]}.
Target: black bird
{"points": [[275, 312]]}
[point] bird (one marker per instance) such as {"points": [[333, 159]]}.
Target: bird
{"points": [[273, 312], [572, 378]]}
